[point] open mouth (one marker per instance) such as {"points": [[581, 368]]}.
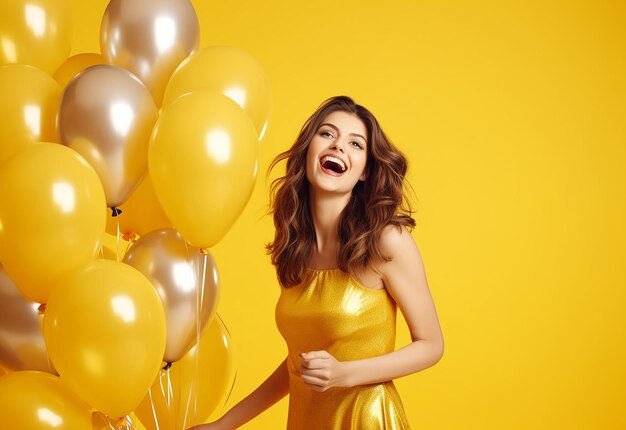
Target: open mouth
{"points": [[333, 164]]}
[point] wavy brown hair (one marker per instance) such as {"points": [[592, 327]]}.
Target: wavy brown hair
{"points": [[378, 201]]}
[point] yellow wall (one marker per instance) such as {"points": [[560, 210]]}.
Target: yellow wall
{"points": [[513, 117]]}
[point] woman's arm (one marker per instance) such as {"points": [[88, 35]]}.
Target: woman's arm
{"points": [[405, 279], [274, 388]]}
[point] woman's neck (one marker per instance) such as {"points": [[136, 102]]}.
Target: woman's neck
{"points": [[326, 210]]}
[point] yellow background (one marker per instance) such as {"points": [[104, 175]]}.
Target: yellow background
{"points": [[513, 117]]}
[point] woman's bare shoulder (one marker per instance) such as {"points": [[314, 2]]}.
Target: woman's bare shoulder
{"points": [[394, 239]]}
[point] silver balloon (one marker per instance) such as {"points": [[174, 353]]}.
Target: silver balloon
{"points": [[150, 38], [106, 114], [186, 281], [22, 346]]}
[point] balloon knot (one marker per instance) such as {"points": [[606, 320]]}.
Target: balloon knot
{"points": [[119, 422], [115, 211], [204, 251], [167, 365], [42, 308], [131, 236]]}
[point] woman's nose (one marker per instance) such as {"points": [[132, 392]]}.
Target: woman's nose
{"points": [[338, 145]]}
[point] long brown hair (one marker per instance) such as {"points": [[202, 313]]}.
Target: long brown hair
{"points": [[376, 202]]}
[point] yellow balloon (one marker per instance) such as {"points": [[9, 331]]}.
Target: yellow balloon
{"points": [[226, 70], [141, 213], [74, 65], [202, 379], [52, 216], [35, 32], [104, 326], [38, 400], [28, 107], [203, 159]]}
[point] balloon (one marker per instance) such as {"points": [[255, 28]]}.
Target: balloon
{"points": [[203, 159], [104, 326], [227, 70], [106, 115], [21, 341], [28, 107], [202, 379], [37, 401], [35, 32], [186, 281], [75, 64], [141, 213], [51, 216], [149, 38]]}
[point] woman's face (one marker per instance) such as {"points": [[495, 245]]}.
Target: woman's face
{"points": [[337, 154]]}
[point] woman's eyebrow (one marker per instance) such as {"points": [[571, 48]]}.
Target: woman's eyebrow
{"points": [[337, 129]]}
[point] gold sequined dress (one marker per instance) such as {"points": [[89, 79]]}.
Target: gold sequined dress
{"points": [[330, 310]]}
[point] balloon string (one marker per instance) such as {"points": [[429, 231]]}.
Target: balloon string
{"points": [[187, 407], [129, 424], [170, 391], [161, 385], [176, 411], [101, 250], [199, 302], [154, 414], [167, 396], [201, 297], [118, 240], [128, 247]]}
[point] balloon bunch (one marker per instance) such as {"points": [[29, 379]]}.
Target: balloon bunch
{"points": [[166, 135]]}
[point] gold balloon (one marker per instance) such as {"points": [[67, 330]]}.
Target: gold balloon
{"points": [[75, 64], [35, 32], [186, 281], [150, 38], [21, 341], [106, 115], [37, 401], [202, 379], [226, 70], [141, 213], [104, 326], [203, 159], [28, 108], [51, 216]]}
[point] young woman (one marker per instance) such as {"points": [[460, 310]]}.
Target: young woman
{"points": [[345, 262]]}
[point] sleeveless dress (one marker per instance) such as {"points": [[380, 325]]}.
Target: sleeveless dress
{"points": [[330, 310]]}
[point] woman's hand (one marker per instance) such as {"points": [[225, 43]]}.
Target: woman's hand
{"points": [[321, 371]]}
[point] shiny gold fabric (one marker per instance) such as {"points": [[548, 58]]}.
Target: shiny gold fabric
{"points": [[331, 311]]}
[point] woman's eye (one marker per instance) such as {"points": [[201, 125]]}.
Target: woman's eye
{"points": [[326, 134], [357, 144]]}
